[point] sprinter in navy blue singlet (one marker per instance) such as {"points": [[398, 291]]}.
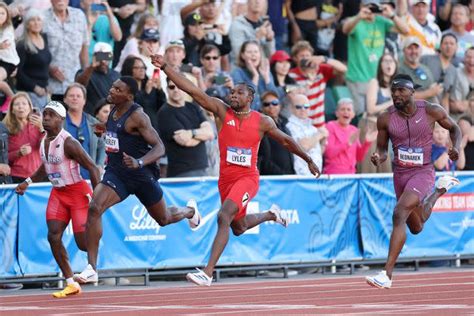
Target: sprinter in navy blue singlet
{"points": [[126, 181], [133, 148]]}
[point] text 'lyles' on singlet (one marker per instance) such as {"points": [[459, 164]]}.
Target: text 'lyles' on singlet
{"points": [[118, 141], [238, 146], [411, 137], [60, 169]]}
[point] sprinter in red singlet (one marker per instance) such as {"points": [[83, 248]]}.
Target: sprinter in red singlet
{"points": [[62, 156], [409, 125], [240, 132]]}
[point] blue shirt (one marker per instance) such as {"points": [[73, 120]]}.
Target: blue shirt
{"points": [[81, 133], [243, 75]]}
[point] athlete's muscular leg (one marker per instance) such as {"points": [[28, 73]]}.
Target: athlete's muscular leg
{"points": [[55, 233], [167, 215], [80, 239], [103, 198], [429, 203], [423, 211], [249, 221], [224, 218], [406, 204]]}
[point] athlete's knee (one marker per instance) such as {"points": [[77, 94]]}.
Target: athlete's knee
{"points": [[223, 219], [415, 228], [94, 211], [400, 215], [54, 237], [237, 231]]}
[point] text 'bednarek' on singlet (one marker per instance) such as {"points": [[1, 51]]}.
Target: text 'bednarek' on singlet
{"points": [[118, 141], [412, 137], [239, 141], [60, 169]]}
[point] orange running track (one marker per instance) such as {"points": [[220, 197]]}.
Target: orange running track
{"points": [[437, 293]]}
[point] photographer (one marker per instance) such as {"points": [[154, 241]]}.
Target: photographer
{"points": [[313, 73], [202, 27], [366, 42], [254, 25], [212, 76], [97, 77]]}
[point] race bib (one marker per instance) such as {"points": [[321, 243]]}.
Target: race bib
{"points": [[55, 179], [239, 156], [111, 142], [410, 156]]}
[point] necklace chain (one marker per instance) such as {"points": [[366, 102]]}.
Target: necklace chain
{"points": [[242, 113]]}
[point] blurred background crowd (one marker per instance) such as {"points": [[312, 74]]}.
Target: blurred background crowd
{"points": [[320, 68]]}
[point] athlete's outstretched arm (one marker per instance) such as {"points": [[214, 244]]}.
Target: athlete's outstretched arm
{"points": [[269, 127], [214, 105], [73, 150], [142, 124], [441, 116], [380, 155], [39, 175]]}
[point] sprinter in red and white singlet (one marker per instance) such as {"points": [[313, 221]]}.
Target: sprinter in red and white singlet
{"points": [[240, 132], [62, 156]]}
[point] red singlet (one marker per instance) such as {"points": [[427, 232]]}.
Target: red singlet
{"points": [[239, 141]]}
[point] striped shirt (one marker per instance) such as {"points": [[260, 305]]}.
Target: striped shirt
{"points": [[60, 169], [315, 90]]}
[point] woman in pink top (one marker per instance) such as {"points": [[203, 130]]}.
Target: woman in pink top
{"points": [[26, 131], [344, 149]]}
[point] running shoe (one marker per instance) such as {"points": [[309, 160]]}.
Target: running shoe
{"points": [[196, 219], [70, 289], [274, 209], [87, 276], [199, 278], [380, 281], [447, 182]]}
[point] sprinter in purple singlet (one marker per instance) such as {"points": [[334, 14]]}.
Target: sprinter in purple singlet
{"points": [[409, 125]]}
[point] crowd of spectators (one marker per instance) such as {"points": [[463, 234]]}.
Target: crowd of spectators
{"points": [[321, 70]]}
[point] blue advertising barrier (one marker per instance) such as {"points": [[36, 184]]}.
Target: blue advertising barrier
{"points": [[322, 225], [8, 233], [329, 219], [449, 230]]}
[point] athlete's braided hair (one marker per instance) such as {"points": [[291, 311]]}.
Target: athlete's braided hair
{"points": [[250, 89]]}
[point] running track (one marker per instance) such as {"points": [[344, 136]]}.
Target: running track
{"points": [[446, 293]]}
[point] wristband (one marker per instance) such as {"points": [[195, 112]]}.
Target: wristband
{"points": [[392, 16], [326, 58], [28, 181], [164, 66], [140, 163], [193, 133]]}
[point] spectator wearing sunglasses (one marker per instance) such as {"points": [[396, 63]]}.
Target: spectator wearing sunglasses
{"points": [[212, 76], [184, 130], [273, 158], [344, 149], [310, 138], [175, 53], [426, 87], [81, 126]]}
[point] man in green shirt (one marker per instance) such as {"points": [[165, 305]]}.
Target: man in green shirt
{"points": [[366, 42]]}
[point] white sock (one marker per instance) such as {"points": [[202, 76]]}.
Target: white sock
{"points": [[69, 281]]}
